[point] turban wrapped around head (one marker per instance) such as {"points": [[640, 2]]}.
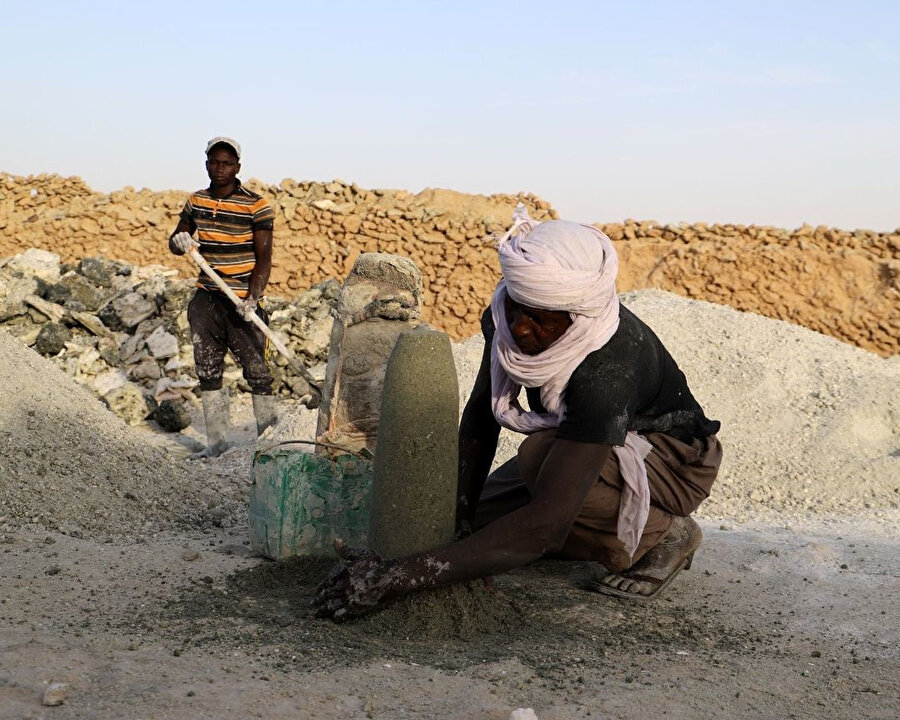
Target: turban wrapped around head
{"points": [[562, 265], [555, 265]]}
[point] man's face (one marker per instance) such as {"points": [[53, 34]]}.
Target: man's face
{"points": [[222, 166], [534, 329]]}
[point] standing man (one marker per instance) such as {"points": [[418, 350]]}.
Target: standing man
{"points": [[234, 233]]}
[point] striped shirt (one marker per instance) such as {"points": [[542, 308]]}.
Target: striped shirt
{"points": [[224, 229]]}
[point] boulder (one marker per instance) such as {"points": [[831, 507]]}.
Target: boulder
{"points": [[52, 338], [36, 263], [129, 403]]}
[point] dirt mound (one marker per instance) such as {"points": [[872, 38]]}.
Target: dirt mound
{"points": [[842, 283], [67, 463]]}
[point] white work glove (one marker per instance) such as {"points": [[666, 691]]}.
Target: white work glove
{"points": [[182, 242], [247, 309]]}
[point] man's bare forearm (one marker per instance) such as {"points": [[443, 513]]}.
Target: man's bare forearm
{"points": [[476, 453], [259, 278], [510, 542], [566, 475], [478, 434], [262, 248]]}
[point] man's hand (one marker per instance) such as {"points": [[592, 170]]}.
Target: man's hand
{"points": [[181, 243], [247, 309], [355, 586]]}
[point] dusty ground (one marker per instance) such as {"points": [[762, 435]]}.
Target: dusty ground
{"points": [[789, 610], [769, 622]]}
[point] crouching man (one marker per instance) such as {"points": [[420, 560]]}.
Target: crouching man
{"points": [[618, 453]]}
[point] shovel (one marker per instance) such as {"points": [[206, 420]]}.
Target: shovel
{"points": [[296, 366]]}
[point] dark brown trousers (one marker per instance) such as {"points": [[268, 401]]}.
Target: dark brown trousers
{"points": [[216, 328], [680, 476]]}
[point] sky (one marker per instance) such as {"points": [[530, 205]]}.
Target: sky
{"points": [[773, 113]]}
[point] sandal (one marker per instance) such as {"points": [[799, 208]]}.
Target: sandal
{"points": [[682, 539], [661, 584]]}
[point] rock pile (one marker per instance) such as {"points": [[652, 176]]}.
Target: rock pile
{"points": [[320, 230], [122, 331], [842, 283]]}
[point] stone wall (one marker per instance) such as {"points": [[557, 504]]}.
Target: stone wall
{"points": [[842, 283]]}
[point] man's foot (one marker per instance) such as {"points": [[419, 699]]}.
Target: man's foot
{"points": [[211, 451], [650, 575]]}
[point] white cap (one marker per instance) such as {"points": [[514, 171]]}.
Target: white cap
{"points": [[227, 141]]}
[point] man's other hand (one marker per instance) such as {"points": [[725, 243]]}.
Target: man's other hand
{"points": [[181, 243], [247, 309]]}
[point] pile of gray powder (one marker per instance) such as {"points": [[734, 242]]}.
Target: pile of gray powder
{"points": [[67, 463], [810, 425]]}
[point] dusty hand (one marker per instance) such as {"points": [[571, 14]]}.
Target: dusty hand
{"points": [[247, 309], [182, 242], [356, 586]]}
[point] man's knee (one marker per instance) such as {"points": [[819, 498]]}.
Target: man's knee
{"points": [[258, 377], [210, 383], [532, 453]]}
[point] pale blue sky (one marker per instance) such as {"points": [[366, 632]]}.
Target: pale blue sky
{"points": [[767, 112]]}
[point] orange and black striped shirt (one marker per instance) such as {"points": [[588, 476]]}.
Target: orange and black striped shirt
{"points": [[225, 232]]}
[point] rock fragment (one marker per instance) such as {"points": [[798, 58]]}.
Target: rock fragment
{"points": [[128, 402], [172, 416], [52, 338], [100, 271], [36, 263], [55, 694], [162, 344]]}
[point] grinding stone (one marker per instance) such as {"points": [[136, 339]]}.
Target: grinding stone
{"points": [[414, 491]]}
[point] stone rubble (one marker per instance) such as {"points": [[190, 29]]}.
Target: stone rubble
{"points": [[123, 331]]}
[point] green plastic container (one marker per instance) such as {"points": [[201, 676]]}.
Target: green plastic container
{"points": [[300, 502]]}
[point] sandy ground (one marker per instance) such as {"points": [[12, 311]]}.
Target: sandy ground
{"points": [[769, 622], [789, 610]]}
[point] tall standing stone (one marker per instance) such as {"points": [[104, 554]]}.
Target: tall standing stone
{"points": [[414, 490], [379, 300]]}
